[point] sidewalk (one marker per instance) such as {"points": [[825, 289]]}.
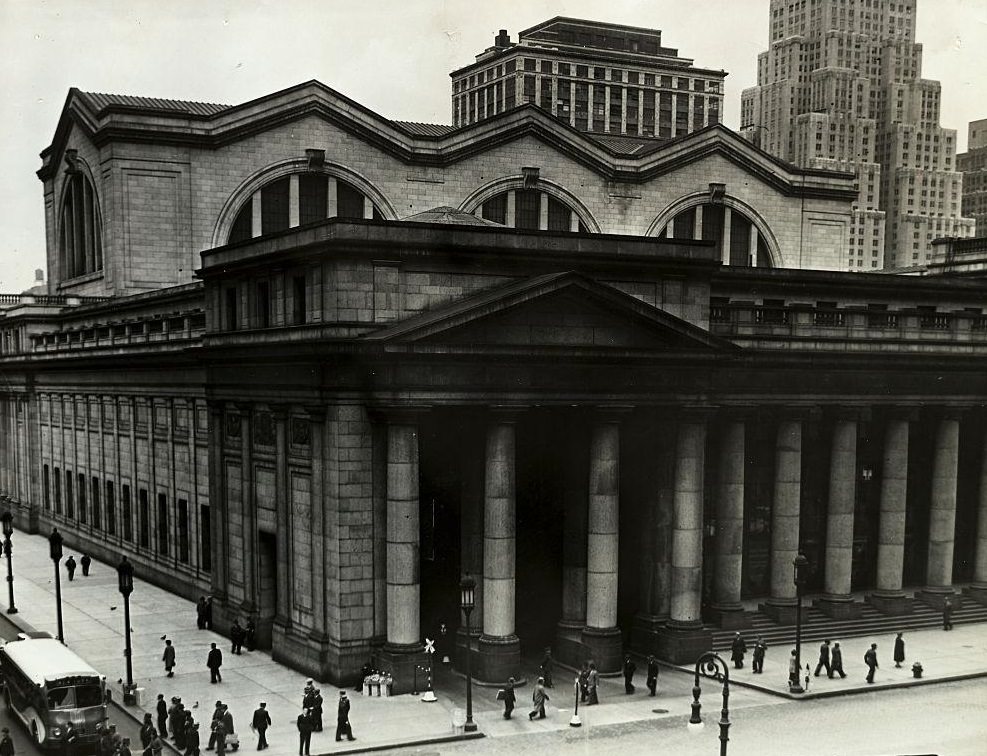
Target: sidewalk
{"points": [[958, 654]]}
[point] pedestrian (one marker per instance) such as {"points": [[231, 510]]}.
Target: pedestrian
{"points": [[147, 731], [188, 731], [316, 710], [6, 744], [584, 683], [546, 667], [169, 658], [162, 709], [217, 716], [947, 613], [201, 608], [155, 747], [870, 659], [343, 718], [192, 740], [823, 660], [510, 698], [304, 725], [260, 723], [899, 650], [538, 698], [793, 671], [250, 634], [228, 720], [219, 734], [122, 750], [737, 650], [86, 561], [837, 663], [208, 612], [629, 668], [104, 743], [652, 675], [214, 661], [757, 659], [172, 717], [70, 567], [308, 696], [592, 680], [178, 725]]}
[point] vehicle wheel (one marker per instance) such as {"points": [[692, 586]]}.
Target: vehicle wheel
{"points": [[34, 734]]}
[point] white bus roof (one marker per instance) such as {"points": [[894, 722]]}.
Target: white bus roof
{"points": [[42, 659]]}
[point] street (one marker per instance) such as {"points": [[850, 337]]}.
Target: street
{"points": [[949, 718]]}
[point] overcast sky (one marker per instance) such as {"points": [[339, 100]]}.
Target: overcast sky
{"points": [[393, 56]]}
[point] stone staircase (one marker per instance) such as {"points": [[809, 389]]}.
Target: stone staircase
{"points": [[817, 626]]}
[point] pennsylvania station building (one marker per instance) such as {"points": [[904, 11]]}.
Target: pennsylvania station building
{"points": [[321, 365]]}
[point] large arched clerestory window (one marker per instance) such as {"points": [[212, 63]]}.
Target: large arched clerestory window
{"points": [[530, 203], [297, 199], [737, 237], [80, 228]]}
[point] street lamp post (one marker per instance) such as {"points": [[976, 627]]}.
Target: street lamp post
{"points": [[8, 530], [55, 550], [799, 564], [467, 602], [711, 666], [125, 578]]}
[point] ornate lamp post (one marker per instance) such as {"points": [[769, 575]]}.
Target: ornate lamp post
{"points": [[125, 578], [55, 550], [8, 530], [799, 565], [467, 602], [711, 666]]}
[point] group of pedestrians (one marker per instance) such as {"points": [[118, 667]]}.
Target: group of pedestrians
{"points": [[174, 721], [310, 718], [70, 565]]}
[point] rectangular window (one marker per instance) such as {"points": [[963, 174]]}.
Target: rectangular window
{"points": [[111, 514], [58, 491], [232, 317], [299, 307], [46, 486], [162, 524], [263, 304], [83, 510], [97, 512], [69, 501], [183, 531], [128, 514], [143, 519], [313, 191], [205, 539]]}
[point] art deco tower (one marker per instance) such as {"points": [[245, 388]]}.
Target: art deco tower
{"points": [[841, 88]]}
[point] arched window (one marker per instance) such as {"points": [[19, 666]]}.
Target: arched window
{"points": [[726, 226], [319, 196], [81, 233], [531, 209]]}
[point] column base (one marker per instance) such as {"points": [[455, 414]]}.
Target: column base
{"points": [[683, 643], [644, 633], [934, 598], [401, 661], [569, 648], [977, 592], [729, 616], [605, 646], [782, 611], [497, 658], [838, 607], [892, 603]]}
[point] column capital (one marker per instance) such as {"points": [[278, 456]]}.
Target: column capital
{"points": [[506, 413], [695, 413], [848, 412], [398, 414], [611, 413], [904, 412], [953, 411]]}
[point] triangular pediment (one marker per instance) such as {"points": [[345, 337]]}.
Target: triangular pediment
{"points": [[557, 310]]}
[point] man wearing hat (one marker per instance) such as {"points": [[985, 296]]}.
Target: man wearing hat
{"points": [[162, 709], [217, 716], [343, 718], [192, 738], [304, 724], [6, 744], [261, 721]]}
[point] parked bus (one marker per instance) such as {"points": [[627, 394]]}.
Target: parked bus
{"points": [[59, 698]]}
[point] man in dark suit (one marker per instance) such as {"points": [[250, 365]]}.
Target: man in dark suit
{"points": [[304, 724], [261, 721], [343, 718], [824, 660], [214, 661], [870, 659]]}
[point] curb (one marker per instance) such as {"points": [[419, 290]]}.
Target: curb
{"points": [[405, 743]]}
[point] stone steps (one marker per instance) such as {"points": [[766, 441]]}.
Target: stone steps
{"points": [[817, 626]]}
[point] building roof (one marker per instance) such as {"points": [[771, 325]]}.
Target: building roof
{"points": [[42, 659], [446, 214], [417, 128], [101, 102]]}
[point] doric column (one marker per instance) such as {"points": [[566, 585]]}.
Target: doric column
{"points": [[403, 589], [888, 597], [785, 518], [601, 635], [568, 638], [979, 587], [729, 537], [217, 496], [282, 503], [499, 647], [687, 533], [942, 510], [839, 518]]}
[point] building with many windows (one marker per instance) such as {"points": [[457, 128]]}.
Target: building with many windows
{"points": [[973, 165], [605, 78], [840, 87], [321, 364]]}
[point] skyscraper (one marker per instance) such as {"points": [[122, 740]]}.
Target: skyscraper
{"points": [[973, 165], [599, 77], [840, 87]]}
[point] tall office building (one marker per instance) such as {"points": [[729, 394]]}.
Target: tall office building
{"points": [[973, 165], [597, 77], [841, 87]]}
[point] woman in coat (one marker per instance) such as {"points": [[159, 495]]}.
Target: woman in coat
{"points": [[899, 650], [592, 680], [538, 698]]}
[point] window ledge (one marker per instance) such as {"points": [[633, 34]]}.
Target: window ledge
{"points": [[78, 280]]}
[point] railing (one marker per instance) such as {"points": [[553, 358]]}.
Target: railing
{"points": [[188, 325], [48, 299]]}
